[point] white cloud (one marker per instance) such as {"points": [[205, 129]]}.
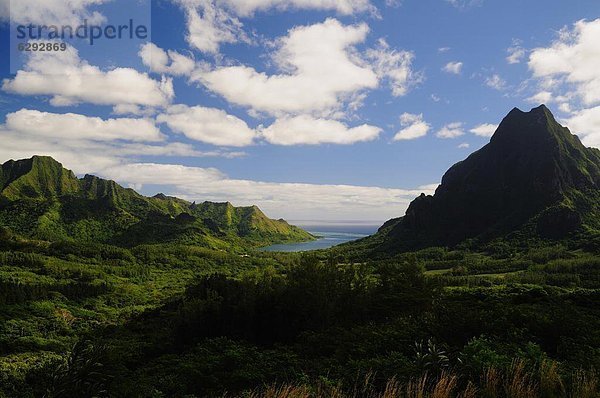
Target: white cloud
{"points": [[484, 130], [586, 123], [322, 72], [80, 127], [451, 130], [211, 23], [413, 126], [543, 97], [70, 80], [571, 62], [166, 62], [463, 4], [344, 7], [516, 53], [209, 125], [99, 143], [288, 200], [496, 82], [565, 107], [306, 130], [453, 67], [50, 12], [395, 66], [464, 145], [444, 49]]}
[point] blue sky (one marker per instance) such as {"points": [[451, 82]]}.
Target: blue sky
{"points": [[312, 109]]}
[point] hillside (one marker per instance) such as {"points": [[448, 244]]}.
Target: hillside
{"points": [[533, 181], [41, 199]]}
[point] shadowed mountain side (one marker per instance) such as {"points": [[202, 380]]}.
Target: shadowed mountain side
{"points": [[533, 180]]}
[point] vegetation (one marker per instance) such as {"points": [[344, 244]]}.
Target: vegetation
{"points": [[106, 293]]}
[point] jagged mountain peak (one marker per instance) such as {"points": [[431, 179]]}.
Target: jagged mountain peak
{"points": [[532, 174]]}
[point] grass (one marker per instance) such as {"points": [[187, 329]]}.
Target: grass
{"points": [[518, 381]]}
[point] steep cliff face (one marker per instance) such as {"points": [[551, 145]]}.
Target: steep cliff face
{"points": [[533, 174]]}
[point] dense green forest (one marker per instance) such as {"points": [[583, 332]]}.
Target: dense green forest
{"points": [[172, 320], [106, 293]]}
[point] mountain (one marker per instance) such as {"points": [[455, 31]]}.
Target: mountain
{"points": [[41, 199], [533, 180]]}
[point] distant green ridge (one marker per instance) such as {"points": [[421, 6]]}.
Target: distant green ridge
{"points": [[41, 199]]}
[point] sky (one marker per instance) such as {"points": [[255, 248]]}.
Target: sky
{"points": [[327, 110]]}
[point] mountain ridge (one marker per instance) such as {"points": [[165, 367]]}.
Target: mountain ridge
{"points": [[534, 179], [39, 198]]}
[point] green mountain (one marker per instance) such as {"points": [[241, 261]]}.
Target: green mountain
{"points": [[534, 180], [41, 199]]}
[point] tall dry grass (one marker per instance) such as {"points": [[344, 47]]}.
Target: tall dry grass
{"points": [[518, 381]]}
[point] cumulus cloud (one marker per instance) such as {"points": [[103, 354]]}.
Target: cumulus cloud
{"points": [[451, 130], [70, 80], [209, 125], [50, 12], [464, 145], [166, 62], [75, 126], [320, 72], [306, 130], [586, 123], [89, 144], [211, 23], [413, 126], [453, 67], [288, 200], [484, 130], [395, 66], [571, 62]]}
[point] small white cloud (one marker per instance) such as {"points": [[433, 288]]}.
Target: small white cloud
{"points": [[413, 126], [464, 4], [464, 145], [435, 98], [443, 49], [306, 130], [516, 53], [209, 125], [395, 66], [166, 62], [543, 97], [495, 82], [453, 67], [484, 130], [451, 130]]}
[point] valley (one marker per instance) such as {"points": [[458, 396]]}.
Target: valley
{"points": [[490, 287]]}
